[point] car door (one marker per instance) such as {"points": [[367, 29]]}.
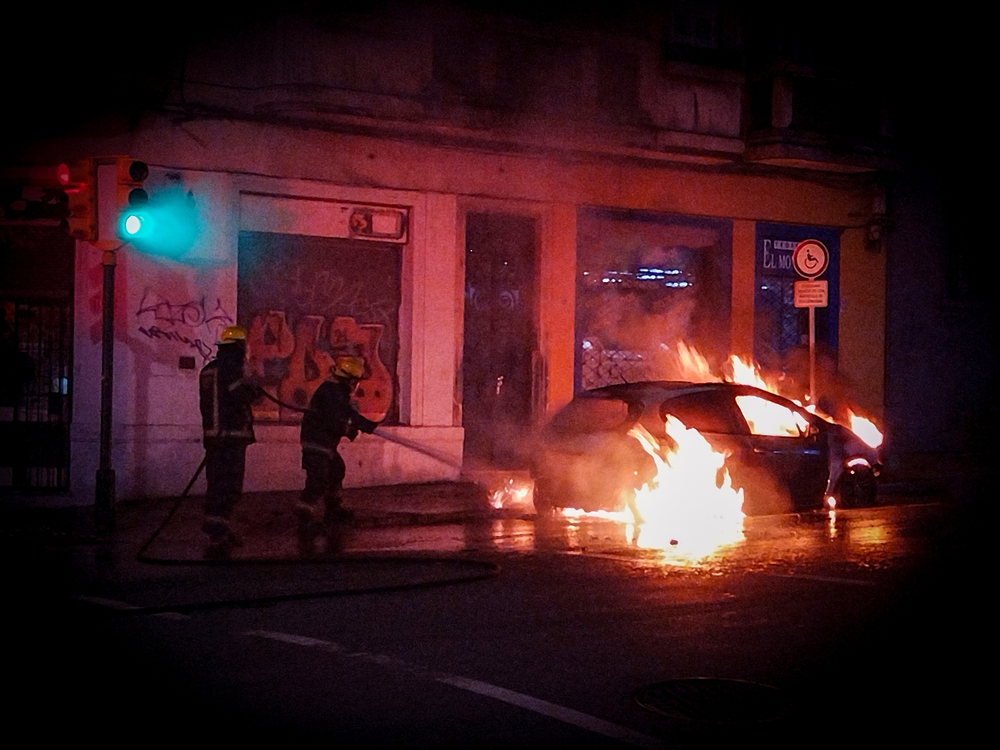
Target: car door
{"points": [[786, 446], [713, 414]]}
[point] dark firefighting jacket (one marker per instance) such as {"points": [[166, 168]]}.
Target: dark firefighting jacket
{"points": [[226, 397], [330, 417]]}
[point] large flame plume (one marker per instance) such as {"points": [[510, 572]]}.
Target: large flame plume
{"points": [[694, 367], [690, 506]]}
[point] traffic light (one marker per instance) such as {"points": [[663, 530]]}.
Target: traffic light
{"points": [[78, 182], [132, 199], [167, 224], [34, 192]]}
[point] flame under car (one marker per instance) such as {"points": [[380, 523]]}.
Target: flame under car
{"points": [[783, 457]]}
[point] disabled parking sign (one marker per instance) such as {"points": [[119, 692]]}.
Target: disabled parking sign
{"points": [[810, 258]]}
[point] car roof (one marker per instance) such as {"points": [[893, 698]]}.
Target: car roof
{"points": [[664, 389]]}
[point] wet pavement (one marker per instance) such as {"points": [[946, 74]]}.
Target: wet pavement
{"points": [[864, 608], [485, 515], [422, 534]]}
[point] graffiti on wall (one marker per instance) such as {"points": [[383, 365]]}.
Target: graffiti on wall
{"points": [[294, 359], [192, 324], [306, 300]]}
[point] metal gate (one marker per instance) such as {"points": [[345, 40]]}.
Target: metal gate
{"points": [[35, 395]]}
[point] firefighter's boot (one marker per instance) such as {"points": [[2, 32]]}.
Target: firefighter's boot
{"points": [[222, 540], [310, 526], [335, 512]]}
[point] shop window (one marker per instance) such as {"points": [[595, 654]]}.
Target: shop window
{"points": [[646, 283]]}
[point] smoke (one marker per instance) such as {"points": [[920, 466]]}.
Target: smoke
{"points": [[638, 299]]}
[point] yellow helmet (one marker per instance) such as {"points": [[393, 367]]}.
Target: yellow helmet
{"points": [[348, 367], [233, 333]]}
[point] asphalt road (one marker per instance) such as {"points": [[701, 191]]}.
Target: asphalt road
{"points": [[867, 628]]}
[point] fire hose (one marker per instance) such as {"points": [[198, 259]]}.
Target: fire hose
{"points": [[430, 452], [413, 446]]}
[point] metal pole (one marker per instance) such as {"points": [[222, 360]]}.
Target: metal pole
{"points": [[104, 505], [812, 356]]}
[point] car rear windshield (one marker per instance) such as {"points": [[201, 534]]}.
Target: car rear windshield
{"points": [[583, 415]]}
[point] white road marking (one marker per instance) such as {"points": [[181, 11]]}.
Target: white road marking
{"points": [[102, 602], [298, 640], [539, 706], [555, 711], [825, 579], [126, 607]]}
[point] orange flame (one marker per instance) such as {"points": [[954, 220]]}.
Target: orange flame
{"points": [[685, 508], [762, 416], [693, 366], [865, 429]]}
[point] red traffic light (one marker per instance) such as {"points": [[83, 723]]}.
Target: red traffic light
{"points": [[38, 176]]}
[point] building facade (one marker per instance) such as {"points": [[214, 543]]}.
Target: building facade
{"points": [[493, 211]]}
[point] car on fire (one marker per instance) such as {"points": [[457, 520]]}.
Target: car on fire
{"points": [[785, 458]]}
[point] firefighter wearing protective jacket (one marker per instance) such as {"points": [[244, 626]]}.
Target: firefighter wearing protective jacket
{"points": [[226, 394], [330, 417]]}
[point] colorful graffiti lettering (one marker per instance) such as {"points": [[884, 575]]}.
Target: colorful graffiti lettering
{"points": [[293, 362]]}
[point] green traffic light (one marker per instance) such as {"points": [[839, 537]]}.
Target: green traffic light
{"points": [[133, 225], [168, 225], [136, 224]]}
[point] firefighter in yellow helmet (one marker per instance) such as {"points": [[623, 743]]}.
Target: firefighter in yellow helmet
{"points": [[330, 417], [226, 393]]}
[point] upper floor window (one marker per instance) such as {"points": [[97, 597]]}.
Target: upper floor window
{"points": [[693, 23]]}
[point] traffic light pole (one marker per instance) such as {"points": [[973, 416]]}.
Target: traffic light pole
{"points": [[104, 505]]}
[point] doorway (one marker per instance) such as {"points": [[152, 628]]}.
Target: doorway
{"points": [[499, 339]]}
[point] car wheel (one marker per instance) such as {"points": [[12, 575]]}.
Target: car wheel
{"points": [[857, 488]]}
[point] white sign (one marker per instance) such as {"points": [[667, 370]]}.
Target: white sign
{"points": [[810, 259], [811, 293], [322, 218]]}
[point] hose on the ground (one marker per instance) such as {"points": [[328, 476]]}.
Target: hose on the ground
{"points": [[484, 569]]}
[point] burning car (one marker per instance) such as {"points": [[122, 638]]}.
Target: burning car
{"points": [[608, 443]]}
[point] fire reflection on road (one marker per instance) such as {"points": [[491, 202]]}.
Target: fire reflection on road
{"points": [[869, 538]]}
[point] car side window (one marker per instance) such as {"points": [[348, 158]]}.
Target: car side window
{"points": [[772, 419], [706, 411], [583, 415]]}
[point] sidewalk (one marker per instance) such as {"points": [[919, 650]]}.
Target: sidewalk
{"points": [[268, 526], [169, 529]]}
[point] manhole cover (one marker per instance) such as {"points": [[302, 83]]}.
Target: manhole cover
{"points": [[713, 701]]}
